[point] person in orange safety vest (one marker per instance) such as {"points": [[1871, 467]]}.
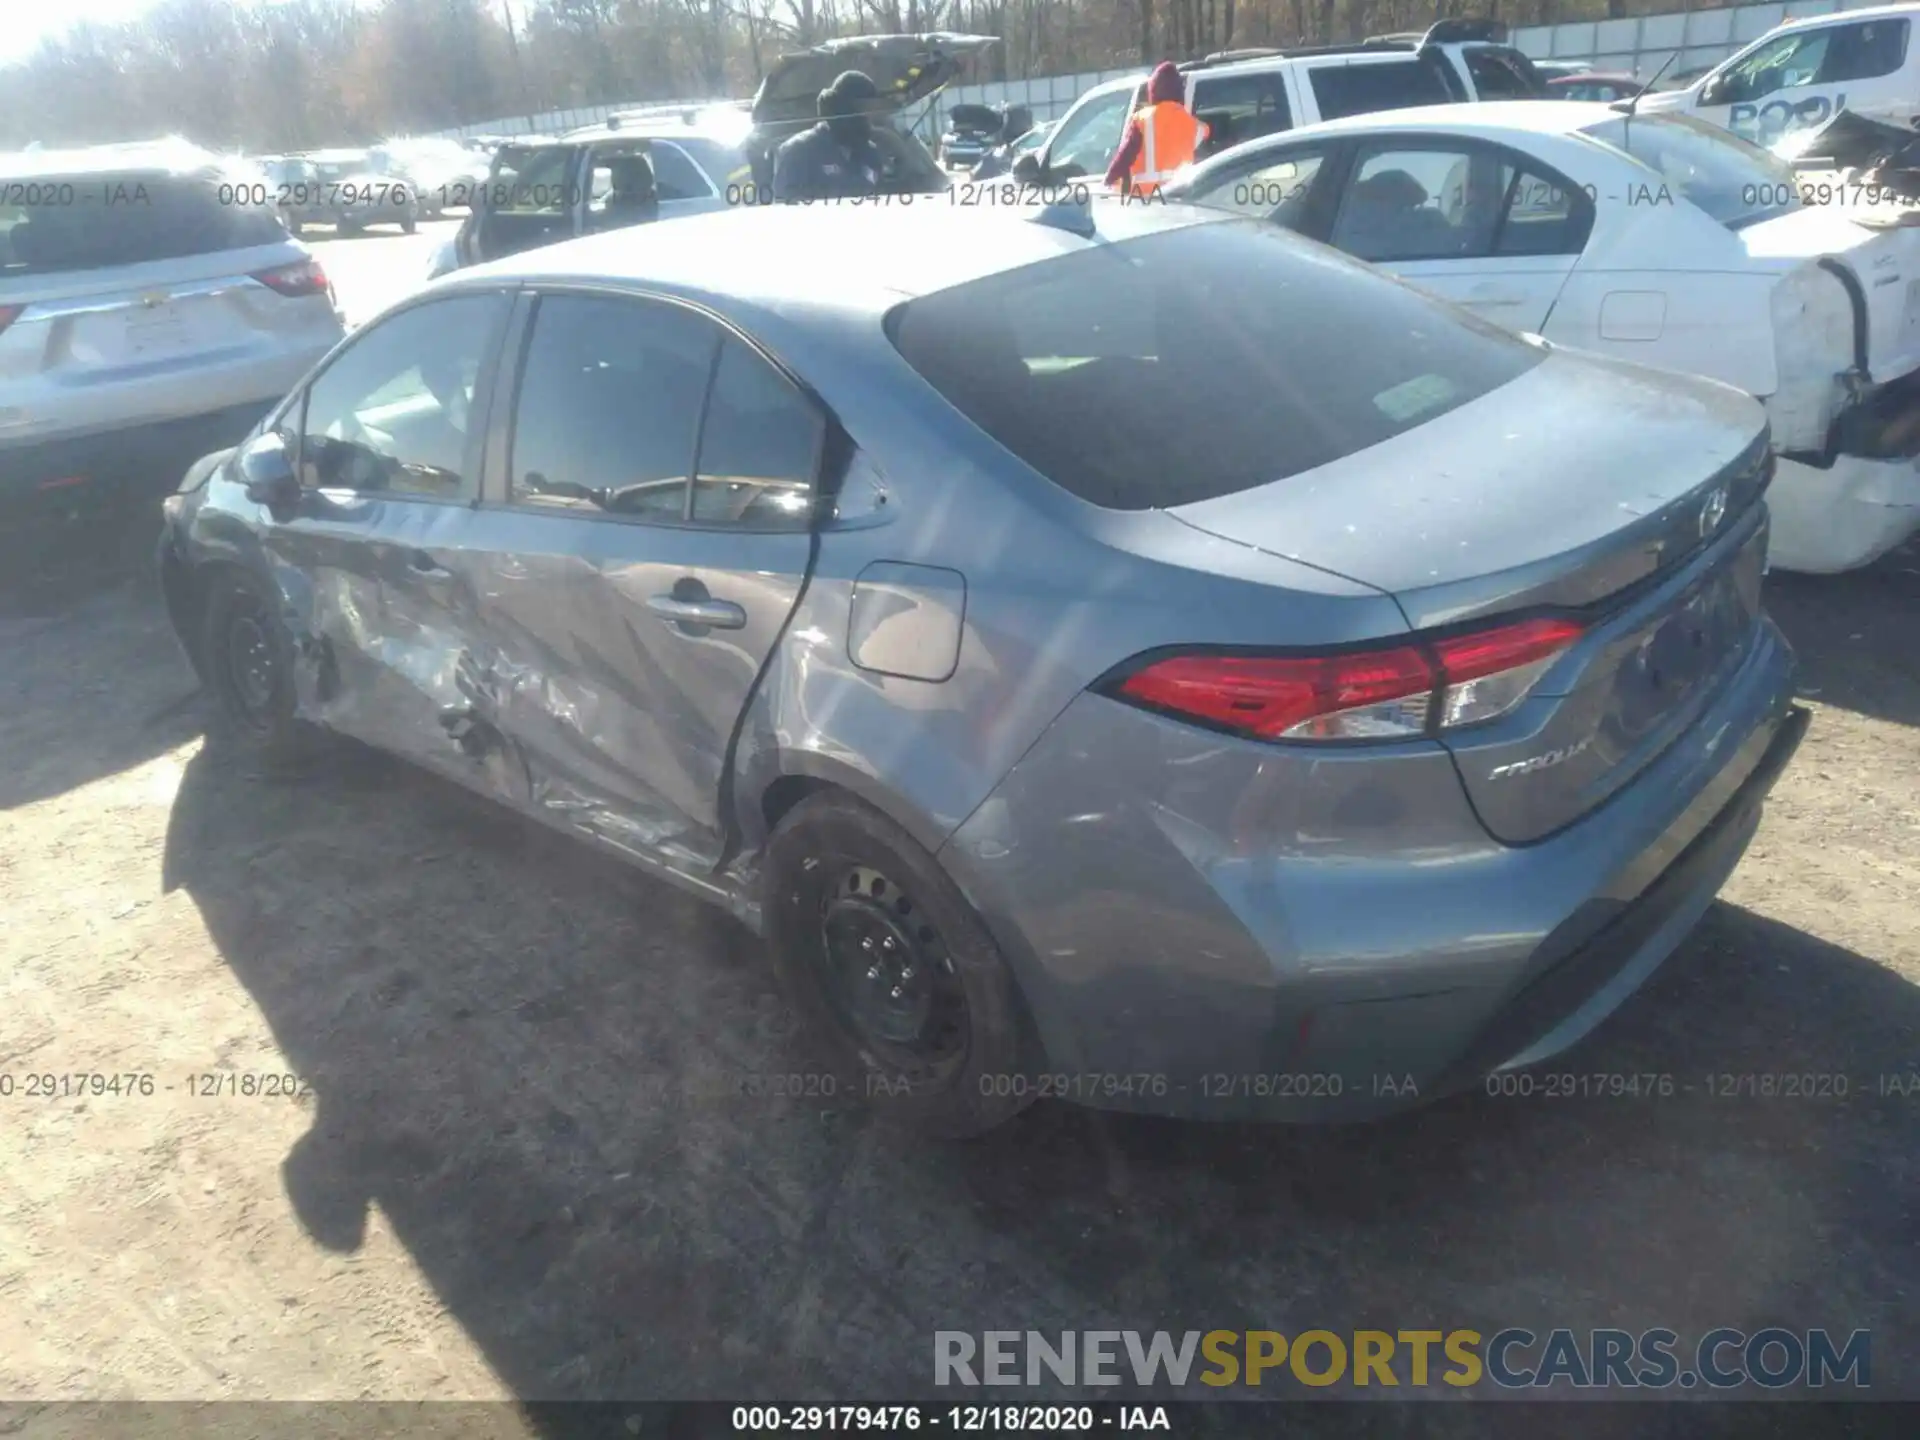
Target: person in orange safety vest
{"points": [[1161, 136]]}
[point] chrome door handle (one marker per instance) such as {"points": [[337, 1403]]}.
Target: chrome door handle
{"points": [[714, 614]]}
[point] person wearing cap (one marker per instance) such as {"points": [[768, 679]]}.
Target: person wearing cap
{"points": [[1161, 136], [837, 158]]}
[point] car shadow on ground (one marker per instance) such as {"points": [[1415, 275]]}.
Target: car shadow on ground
{"points": [[1856, 634], [82, 626], [531, 1060]]}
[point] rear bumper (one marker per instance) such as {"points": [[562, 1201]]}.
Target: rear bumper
{"points": [[1217, 929], [1843, 517], [89, 473]]}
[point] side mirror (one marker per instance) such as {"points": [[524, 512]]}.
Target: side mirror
{"points": [[267, 471], [1026, 169]]}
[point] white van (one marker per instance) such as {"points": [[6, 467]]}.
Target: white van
{"points": [[1800, 74]]}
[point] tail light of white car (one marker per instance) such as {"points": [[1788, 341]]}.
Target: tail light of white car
{"points": [[8, 314], [1426, 685], [300, 279]]}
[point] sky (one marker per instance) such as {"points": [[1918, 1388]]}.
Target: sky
{"points": [[24, 23]]}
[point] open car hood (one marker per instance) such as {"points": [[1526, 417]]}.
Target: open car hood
{"points": [[907, 68]]}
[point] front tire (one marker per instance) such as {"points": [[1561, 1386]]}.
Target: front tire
{"points": [[248, 658], [897, 976], [409, 225]]}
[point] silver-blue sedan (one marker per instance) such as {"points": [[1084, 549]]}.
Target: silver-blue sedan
{"points": [[1117, 652]]}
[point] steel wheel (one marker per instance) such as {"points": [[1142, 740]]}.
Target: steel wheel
{"points": [[250, 668], [889, 976]]}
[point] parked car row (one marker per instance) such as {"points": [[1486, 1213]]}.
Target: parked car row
{"points": [[1389, 696]]}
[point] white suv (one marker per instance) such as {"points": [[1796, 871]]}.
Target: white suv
{"points": [[1800, 74], [1244, 94], [152, 308]]}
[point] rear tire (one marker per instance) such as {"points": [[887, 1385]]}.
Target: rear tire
{"points": [[248, 658], [409, 225], [899, 980]]}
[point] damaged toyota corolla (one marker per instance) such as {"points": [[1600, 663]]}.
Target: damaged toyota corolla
{"points": [[1124, 653]]}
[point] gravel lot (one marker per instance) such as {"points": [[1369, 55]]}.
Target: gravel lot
{"points": [[493, 1181]]}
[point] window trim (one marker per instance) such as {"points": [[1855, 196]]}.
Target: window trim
{"points": [[478, 419], [1365, 147], [496, 491]]}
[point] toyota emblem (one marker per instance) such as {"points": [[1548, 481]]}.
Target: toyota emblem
{"points": [[1713, 511]]}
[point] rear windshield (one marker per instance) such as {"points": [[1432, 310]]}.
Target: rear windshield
{"points": [[1342, 90], [1198, 362], [89, 222], [1735, 182]]}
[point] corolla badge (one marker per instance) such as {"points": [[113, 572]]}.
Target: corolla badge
{"points": [[1543, 761], [1713, 511]]}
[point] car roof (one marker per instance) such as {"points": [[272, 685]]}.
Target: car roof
{"points": [[702, 121], [1491, 118], [861, 257]]}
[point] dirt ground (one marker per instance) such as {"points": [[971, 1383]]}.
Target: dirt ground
{"points": [[501, 1174]]}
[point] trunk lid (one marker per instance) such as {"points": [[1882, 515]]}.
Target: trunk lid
{"points": [[906, 68], [1586, 485]]}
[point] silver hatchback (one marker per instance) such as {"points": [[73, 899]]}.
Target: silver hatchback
{"points": [[151, 306], [1120, 653]]}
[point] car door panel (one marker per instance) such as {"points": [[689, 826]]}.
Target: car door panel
{"points": [[368, 557], [621, 641]]}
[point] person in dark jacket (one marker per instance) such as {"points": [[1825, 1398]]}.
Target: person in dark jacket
{"points": [[836, 159]]}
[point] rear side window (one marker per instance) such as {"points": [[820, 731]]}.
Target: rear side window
{"points": [[1864, 51], [92, 222], [1191, 364], [1496, 75], [609, 406], [675, 176], [1242, 107], [1342, 90]]}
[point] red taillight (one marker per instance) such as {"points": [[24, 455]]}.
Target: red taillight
{"points": [[8, 314], [1407, 690], [303, 277]]}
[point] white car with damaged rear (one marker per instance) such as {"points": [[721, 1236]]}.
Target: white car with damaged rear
{"points": [[1656, 238]]}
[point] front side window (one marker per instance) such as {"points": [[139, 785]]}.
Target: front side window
{"points": [[392, 414], [1227, 326], [1242, 107], [1780, 64], [1088, 137], [609, 406], [1275, 189]]}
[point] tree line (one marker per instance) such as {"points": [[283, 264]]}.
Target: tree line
{"points": [[264, 77]]}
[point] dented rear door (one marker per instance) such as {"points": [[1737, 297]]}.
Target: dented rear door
{"points": [[644, 543]]}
